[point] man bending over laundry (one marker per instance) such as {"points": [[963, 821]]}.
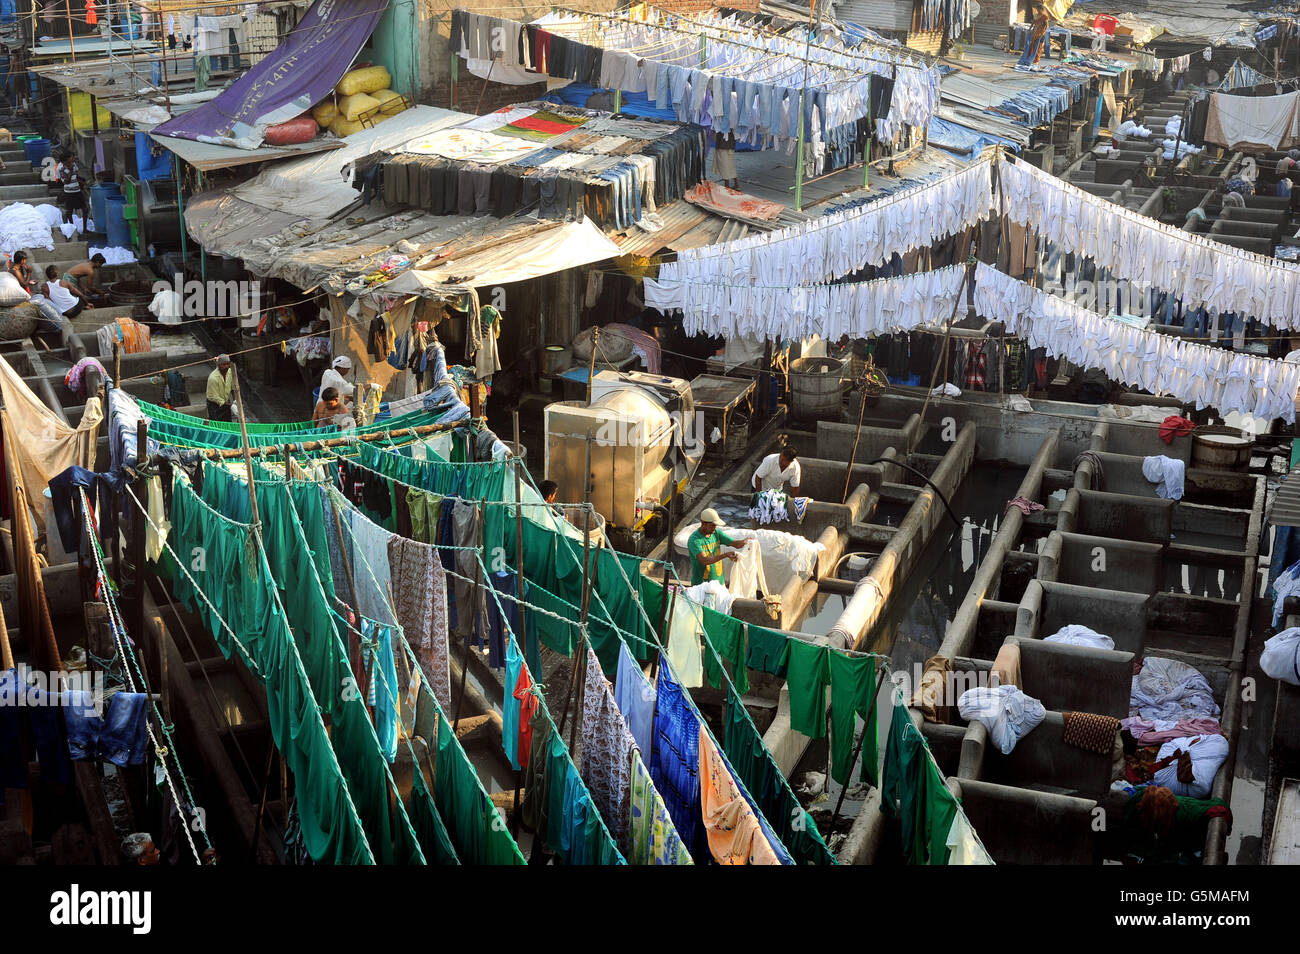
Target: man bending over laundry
{"points": [[86, 277], [777, 470], [705, 548]]}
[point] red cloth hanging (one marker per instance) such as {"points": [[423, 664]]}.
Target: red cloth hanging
{"points": [[92, 17], [527, 709]]}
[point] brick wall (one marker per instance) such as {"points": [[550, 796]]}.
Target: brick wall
{"points": [[995, 12], [475, 95], [470, 97]]}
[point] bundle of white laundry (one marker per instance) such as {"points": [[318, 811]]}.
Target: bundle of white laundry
{"points": [[1206, 752], [23, 226], [1076, 635], [1005, 711], [1171, 689], [1281, 656], [1166, 473]]}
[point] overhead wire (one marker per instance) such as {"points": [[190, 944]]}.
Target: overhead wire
{"points": [[118, 628]]}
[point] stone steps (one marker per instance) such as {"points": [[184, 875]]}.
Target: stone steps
{"points": [[35, 190], [20, 177], [80, 250]]}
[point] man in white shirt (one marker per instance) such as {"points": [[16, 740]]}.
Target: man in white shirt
{"points": [[777, 470], [336, 377]]}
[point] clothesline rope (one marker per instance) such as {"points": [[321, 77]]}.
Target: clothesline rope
{"points": [[583, 641], [300, 668], [296, 520], [162, 536], [118, 628], [509, 633]]}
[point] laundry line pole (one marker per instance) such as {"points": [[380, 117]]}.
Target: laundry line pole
{"points": [[803, 93]]}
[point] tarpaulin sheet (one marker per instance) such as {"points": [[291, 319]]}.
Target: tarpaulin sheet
{"points": [[320, 185], [299, 73], [531, 256]]}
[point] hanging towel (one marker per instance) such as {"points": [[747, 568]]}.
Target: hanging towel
{"points": [[675, 759], [383, 671], [963, 844], [853, 694], [635, 697], [654, 838], [734, 834], [684, 632], [607, 747], [807, 677]]}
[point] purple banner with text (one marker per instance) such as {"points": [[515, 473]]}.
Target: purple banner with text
{"points": [[299, 73]]}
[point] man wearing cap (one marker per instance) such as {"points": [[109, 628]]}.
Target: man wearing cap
{"points": [[704, 547], [221, 385]]}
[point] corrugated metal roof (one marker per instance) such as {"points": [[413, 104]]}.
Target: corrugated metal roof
{"points": [[207, 157], [892, 15], [679, 218], [711, 230], [1286, 503], [86, 46]]}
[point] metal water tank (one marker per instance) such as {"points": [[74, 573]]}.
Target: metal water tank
{"points": [[816, 388]]}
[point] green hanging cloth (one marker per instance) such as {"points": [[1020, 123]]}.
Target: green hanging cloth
{"points": [[807, 676], [853, 691], [726, 635], [925, 807], [759, 773], [766, 651]]}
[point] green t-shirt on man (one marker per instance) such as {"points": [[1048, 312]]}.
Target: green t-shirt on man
{"points": [[708, 545]]}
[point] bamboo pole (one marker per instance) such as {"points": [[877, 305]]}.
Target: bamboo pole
{"points": [[519, 586], [591, 380], [323, 443], [578, 662], [248, 457], [72, 46], [137, 541]]}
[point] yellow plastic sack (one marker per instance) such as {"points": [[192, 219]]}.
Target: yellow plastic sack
{"points": [[350, 107], [391, 103], [324, 113], [366, 80], [342, 127]]}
